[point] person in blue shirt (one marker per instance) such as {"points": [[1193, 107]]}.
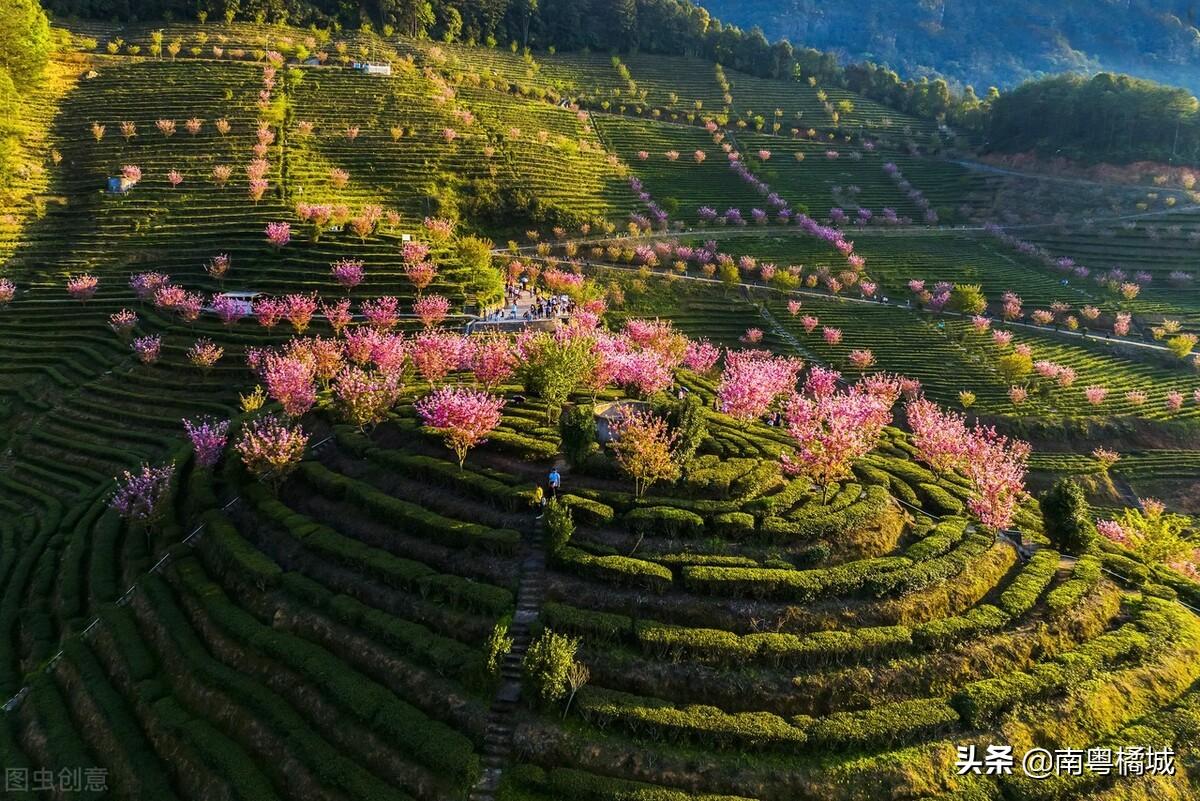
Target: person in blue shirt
{"points": [[555, 480]]}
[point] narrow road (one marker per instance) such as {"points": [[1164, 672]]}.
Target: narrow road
{"points": [[1133, 343]]}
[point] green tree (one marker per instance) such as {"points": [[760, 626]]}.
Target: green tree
{"points": [[1182, 344], [560, 526], [968, 299], [497, 647], [548, 663], [24, 40], [1014, 366], [1067, 517], [577, 428], [691, 428], [555, 368], [452, 24], [485, 281], [1155, 534]]}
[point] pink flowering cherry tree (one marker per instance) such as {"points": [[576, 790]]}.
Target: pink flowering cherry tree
{"points": [[752, 380], [995, 466], [270, 448], [432, 310], [831, 431], [82, 287], [141, 497], [278, 234], [462, 416], [291, 382], [940, 436], [364, 398], [208, 437]]}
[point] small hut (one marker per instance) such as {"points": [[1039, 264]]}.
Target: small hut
{"points": [[609, 414]]}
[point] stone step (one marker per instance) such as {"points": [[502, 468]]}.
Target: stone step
{"points": [[497, 738]]}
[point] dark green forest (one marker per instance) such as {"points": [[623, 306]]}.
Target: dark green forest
{"points": [[986, 43], [24, 48], [1107, 117]]}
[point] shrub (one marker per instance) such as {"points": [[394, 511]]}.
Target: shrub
{"points": [[587, 510], [497, 647], [794, 585], [882, 726], [666, 520], [1020, 596], [943, 537], [980, 702], [946, 631], [1084, 577], [707, 725], [621, 569], [734, 524], [602, 626], [938, 501]]}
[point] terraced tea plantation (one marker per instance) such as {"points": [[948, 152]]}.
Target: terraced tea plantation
{"points": [[460, 431]]}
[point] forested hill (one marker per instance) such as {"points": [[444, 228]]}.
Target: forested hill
{"points": [[987, 43]]}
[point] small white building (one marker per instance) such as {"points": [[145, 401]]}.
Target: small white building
{"points": [[372, 68]]}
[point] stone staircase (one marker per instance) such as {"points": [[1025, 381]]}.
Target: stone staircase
{"points": [[497, 740]]}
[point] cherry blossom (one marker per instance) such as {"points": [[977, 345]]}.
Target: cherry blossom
{"points": [[122, 322], [463, 416], [298, 310], [432, 310], [347, 272], [831, 431], [752, 380], [291, 382], [381, 313], [862, 359], [363, 398], [278, 234], [435, 353], [141, 496], [268, 311], [147, 348], [270, 448], [337, 314], [940, 436], [82, 287], [493, 360], [208, 437], [701, 356], [228, 309], [996, 467]]}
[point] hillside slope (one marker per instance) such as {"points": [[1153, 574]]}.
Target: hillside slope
{"points": [[990, 43]]}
